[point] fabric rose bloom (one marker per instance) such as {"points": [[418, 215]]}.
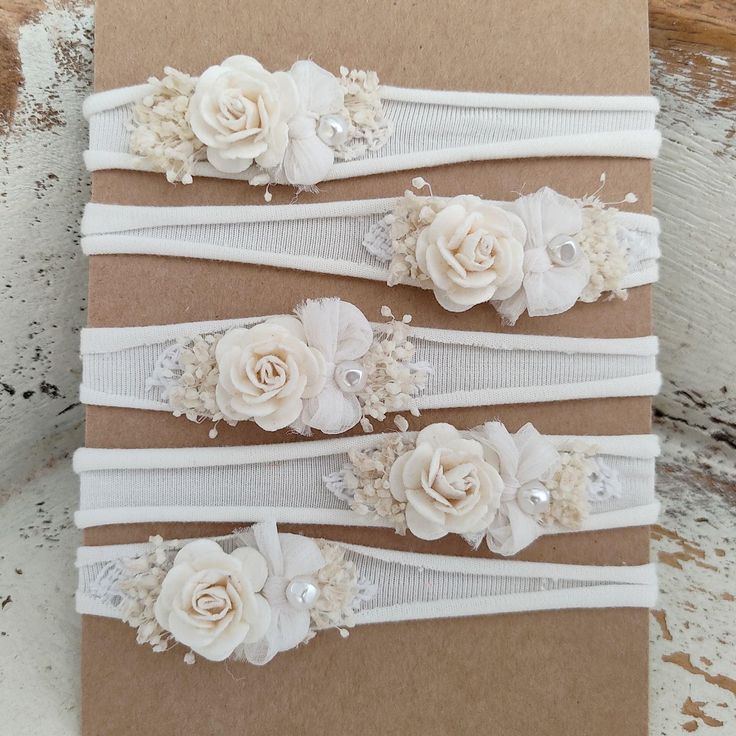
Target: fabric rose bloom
{"points": [[209, 599], [446, 483], [473, 251], [266, 372], [241, 112]]}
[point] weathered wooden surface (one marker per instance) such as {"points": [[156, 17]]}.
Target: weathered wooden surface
{"points": [[45, 53], [694, 76]]}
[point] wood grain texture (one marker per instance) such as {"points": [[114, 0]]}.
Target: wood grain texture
{"points": [[693, 63]]}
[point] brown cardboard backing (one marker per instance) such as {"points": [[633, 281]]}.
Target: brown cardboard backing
{"points": [[571, 672]]}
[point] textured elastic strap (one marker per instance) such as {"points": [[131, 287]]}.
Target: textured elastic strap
{"points": [[467, 368], [419, 586], [432, 128], [287, 482], [324, 238]]}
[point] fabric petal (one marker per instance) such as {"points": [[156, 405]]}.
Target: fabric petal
{"points": [[255, 568], [307, 161], [319, 91], [225, 164], [302, 556], [538, 456], [332, 411], [511, 530], [421, 527]]}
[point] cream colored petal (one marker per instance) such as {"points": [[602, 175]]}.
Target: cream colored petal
{"points": [[421, 503], [228, 164], [286, 413], [259, 616], [421, 527], [475, 520], [436, 266], [225, 644], [315, 372], [440, 434], [192, 551], [254, 568], [396, 477], [289, 323], [244, 63], [172, 584], [417, 462], [446, 301]]}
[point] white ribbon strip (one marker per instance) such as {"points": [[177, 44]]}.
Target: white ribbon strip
{"points": [[468, 368], [286, 482], [432, 128], [322, 238], [412, 586]]}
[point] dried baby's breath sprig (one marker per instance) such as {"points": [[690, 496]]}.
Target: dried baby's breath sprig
{"points": [[411, 215], [369, 128], [568, 487], [394, 381], [188, 374], [341, 591], [160, 130], [600, 243], [365, 481], [142, 586]]}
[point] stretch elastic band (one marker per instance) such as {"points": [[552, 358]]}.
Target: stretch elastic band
{"points": [[529, 484], [562, 250], [329, 368], [303, 126], [255, 593]]}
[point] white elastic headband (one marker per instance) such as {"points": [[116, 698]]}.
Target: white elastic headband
{"points": [[328, 368], [567, 250], [293, 586], [349, 481], [321, 127]]}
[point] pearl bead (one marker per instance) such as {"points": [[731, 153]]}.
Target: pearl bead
{"points": [[533, 500], [302, 592], [563, 250], [350, 376], [333, 130]]}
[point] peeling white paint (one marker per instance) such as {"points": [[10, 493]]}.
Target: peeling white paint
{"points": [[695, 197], [44, 274]]}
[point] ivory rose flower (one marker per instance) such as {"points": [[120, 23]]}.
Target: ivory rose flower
{"points": [[446, 483], [241, 112], [266, 372], [473, 251], [209, 599]]}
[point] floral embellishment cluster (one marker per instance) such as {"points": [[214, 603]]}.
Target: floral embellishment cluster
{"points": [[269, 594], [322, 368], [539, 254], [485, 482], [283, 127]]}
